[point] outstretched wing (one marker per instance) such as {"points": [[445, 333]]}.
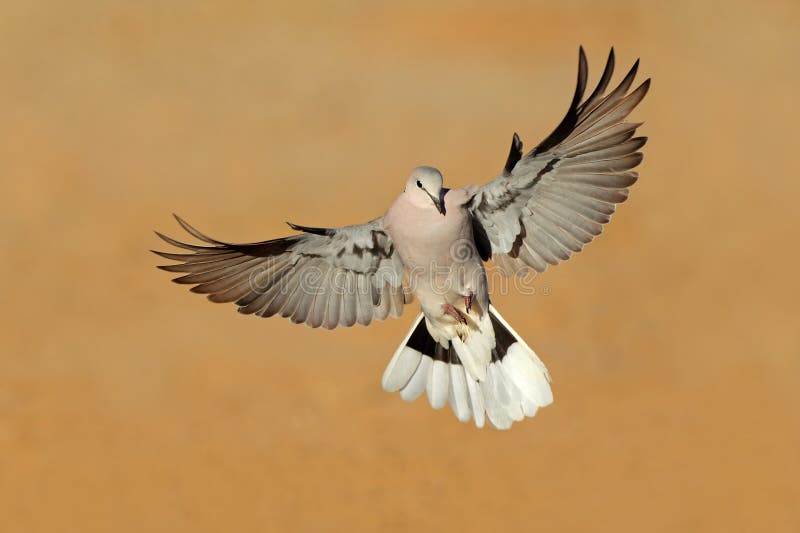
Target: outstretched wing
{"points": [[549, 203], [322, 277]]}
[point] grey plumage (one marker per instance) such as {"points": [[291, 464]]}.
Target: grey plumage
{"points": [[295, 276], [543, 207], [557, 198]]}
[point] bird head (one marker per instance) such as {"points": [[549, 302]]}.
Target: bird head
{"points": [[424, 188]]}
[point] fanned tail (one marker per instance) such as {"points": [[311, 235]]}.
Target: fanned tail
{"points": [[493, 373]]}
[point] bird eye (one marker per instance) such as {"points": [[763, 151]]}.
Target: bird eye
{"points": [[419, 184]]}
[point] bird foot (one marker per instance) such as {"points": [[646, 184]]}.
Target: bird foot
{"points": [[455, 313]]}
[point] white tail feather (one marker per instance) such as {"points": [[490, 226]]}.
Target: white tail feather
{"points": [[492, 372]]}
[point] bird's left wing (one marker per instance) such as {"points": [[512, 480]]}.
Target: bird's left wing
{"points": [[322, 277], [547, 204]]}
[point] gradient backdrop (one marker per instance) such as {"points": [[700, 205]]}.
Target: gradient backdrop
{"points": [[129, 405]]}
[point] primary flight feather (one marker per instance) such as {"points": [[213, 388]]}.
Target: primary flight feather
{"points": [[431, 243]]}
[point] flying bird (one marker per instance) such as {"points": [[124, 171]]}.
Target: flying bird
{"points": [[431, 244]]}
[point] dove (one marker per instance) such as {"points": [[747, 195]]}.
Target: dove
{"points": [[432, 245]]}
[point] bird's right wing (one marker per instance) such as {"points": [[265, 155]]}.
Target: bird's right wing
{"points": [[322, 277], [547, 204]]}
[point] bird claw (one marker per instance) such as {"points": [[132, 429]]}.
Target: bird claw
{"points": [[455, 313]]}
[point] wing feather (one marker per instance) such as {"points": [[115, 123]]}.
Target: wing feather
{"points": [[557, 198], [321, 277], [317, 317]]}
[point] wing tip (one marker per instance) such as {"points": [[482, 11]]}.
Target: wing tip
{"points": [[309, 229], [514, 154], [583, 73], [634, 69], [194, 232]]}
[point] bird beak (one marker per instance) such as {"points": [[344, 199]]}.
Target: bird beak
{"points": [[439, 202]]}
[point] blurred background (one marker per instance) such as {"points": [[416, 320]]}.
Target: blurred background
{"points": [[129, 404]]}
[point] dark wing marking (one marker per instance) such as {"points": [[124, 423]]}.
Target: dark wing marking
{"points": [[323, 277], [548, 204]]}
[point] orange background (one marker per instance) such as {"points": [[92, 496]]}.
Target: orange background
{"points": [[128, 404]]}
